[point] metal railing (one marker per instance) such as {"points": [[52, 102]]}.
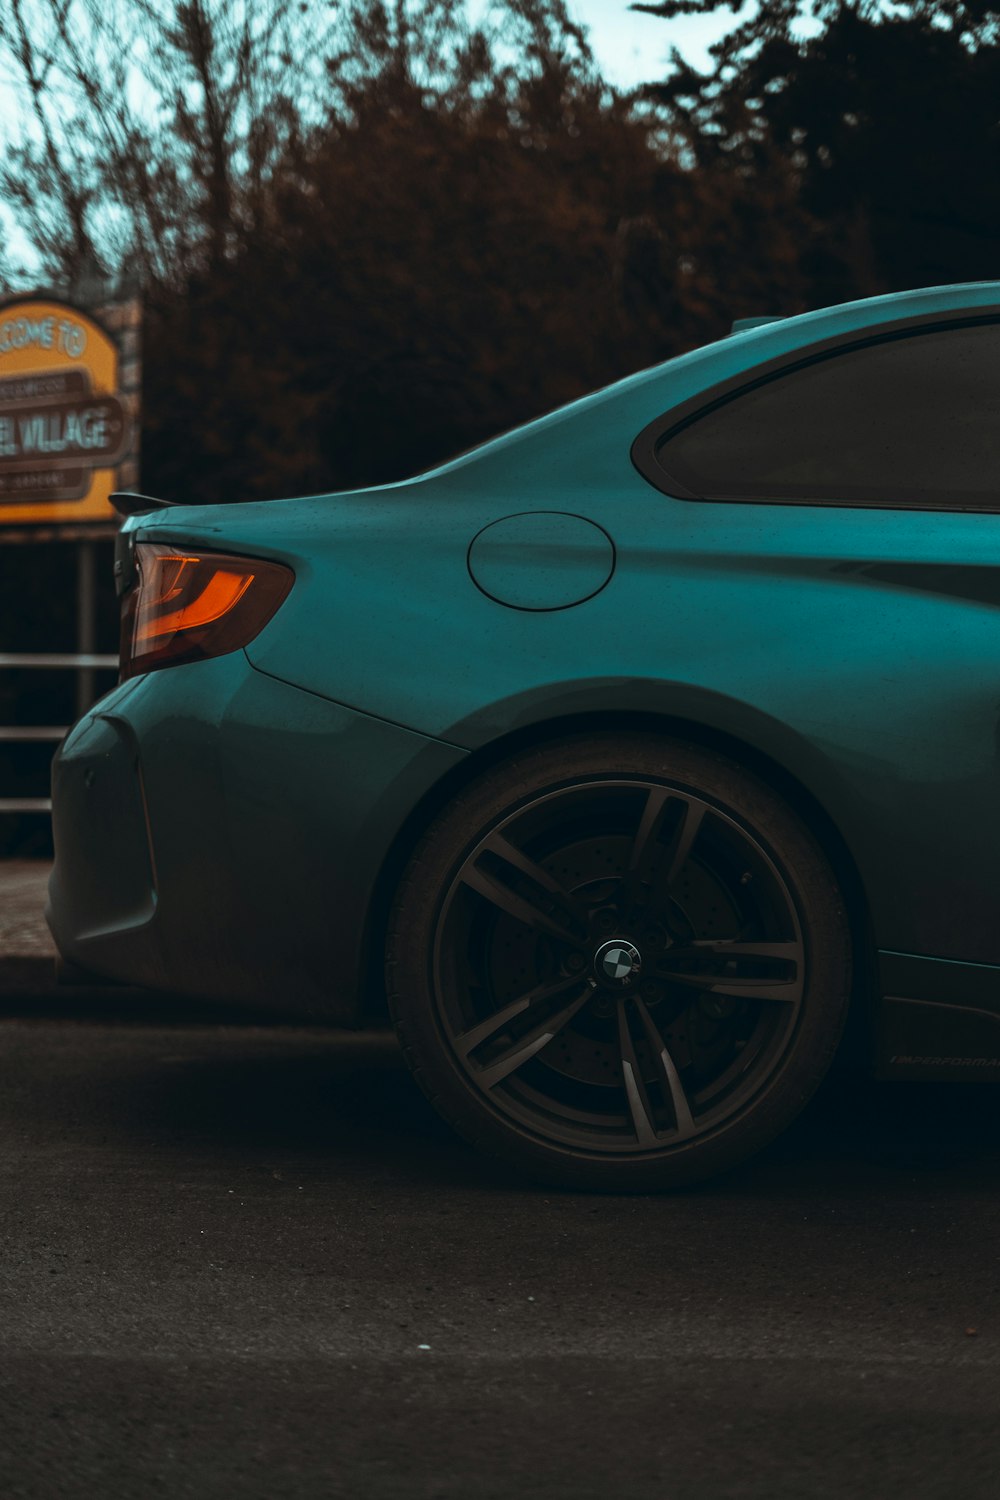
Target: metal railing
{"points": [[84, 664]]}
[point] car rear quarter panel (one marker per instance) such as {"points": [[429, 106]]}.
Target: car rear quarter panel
{"points": [[857, 650], [218, 833]]}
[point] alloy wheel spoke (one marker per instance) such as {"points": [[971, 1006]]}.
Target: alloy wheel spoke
{"points": [[730, 948], [522, 908], [545, 905], [505, 850], [498, 1068], [670, 1079], [786, 992], [649, 827], [643, 1122], [786, 988], [656, 864], [675, 855], [469, 1040]]}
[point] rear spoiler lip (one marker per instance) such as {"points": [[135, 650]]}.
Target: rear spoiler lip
{"points": [[127, 503]]}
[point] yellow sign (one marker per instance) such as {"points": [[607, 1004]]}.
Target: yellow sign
{"points": [[64, 427]]}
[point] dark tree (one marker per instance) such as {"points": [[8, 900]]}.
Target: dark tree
{"points": [[888, 121]]}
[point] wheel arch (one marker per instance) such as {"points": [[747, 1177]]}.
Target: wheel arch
{"points": [[810, 806]]}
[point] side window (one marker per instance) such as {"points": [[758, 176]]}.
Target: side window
{"points": [[913, 420]]}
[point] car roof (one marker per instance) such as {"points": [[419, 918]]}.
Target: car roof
{"points": [[872, 312], [751, 346], [638, 399]]}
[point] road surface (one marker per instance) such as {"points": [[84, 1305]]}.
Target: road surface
{"points": [[243, 1260]]}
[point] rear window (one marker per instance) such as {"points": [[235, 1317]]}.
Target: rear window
{"points": [[911, 420]]}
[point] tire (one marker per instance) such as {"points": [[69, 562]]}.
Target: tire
{"points": [[619, 963]]}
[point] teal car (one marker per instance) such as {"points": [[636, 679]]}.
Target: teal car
{"points": [[629, 763]]}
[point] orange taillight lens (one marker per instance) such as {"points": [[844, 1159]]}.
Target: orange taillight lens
{"points": [[189, 605]]}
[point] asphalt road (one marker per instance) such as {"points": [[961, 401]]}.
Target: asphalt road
{"points": [[248, 1261]]}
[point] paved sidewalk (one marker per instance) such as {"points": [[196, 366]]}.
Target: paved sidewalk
{"points": [[27, 952]]}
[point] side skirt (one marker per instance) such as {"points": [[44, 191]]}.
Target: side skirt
{"points": [[937, 1019]]}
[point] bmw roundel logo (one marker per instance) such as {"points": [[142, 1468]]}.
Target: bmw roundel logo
{"points": [[618, 962]]}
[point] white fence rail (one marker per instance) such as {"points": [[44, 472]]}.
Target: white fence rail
{"points": [[84, 664]]}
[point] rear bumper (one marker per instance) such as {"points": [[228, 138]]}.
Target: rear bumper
{"points": [[221, 833]]}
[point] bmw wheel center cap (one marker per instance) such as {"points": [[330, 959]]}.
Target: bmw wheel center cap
{"points": [[618, 963]]}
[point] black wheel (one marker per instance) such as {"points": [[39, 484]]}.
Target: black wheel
{"points": [[619, 962]]}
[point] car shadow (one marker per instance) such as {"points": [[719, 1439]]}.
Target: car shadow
{"points": [[231, 1087], [896, 1137]]}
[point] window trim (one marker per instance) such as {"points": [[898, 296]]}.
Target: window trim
{"points": [[646, 447]]}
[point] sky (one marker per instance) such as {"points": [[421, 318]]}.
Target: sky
{"points": [[632, 47]]}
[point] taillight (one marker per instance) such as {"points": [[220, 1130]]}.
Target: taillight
{"points": [[189, 605]]}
